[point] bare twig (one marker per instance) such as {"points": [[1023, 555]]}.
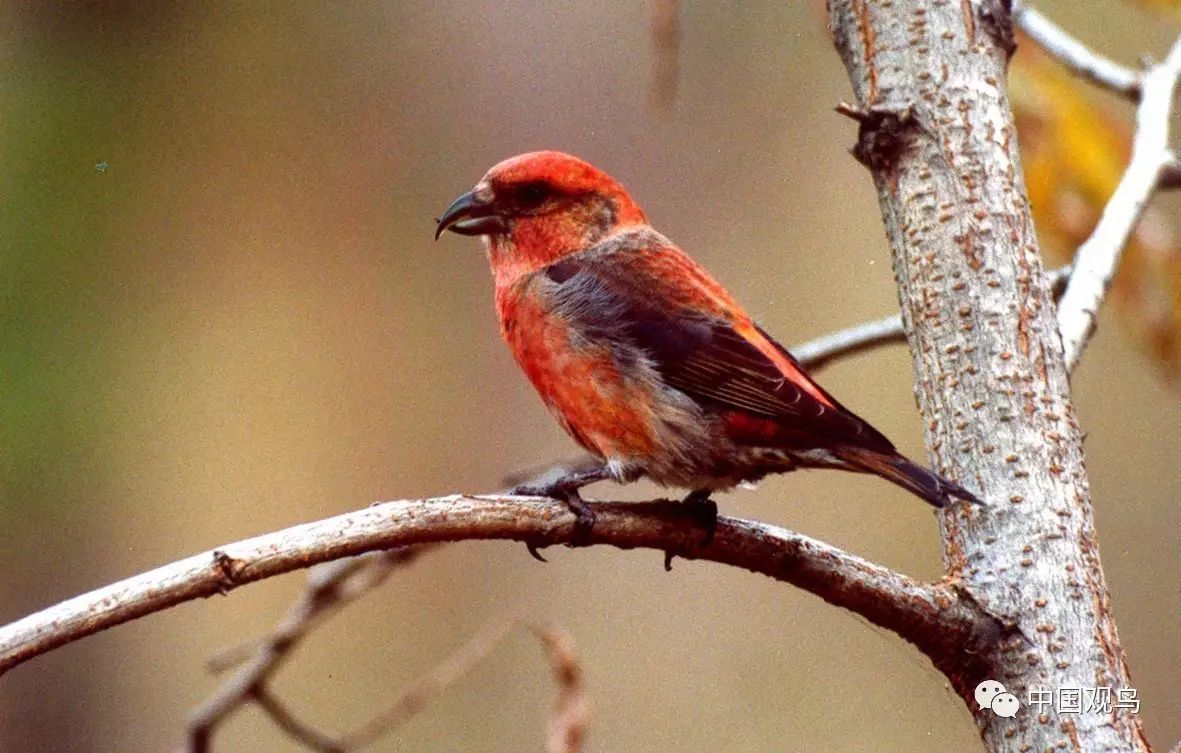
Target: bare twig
{"points": [[330, 587], [567, 728], [818, 353], [932, 616], [1097, 258], [410, 701], [665, 32], [441, 677], [1074, 54], [306, 734]]}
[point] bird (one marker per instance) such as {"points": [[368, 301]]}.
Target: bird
{"points": [[642, 356]]}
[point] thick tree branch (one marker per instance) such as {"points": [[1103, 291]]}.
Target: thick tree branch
{"points": [[1074, 54], [821, 352], [1096, 261], [936, 131], [938, 618]]}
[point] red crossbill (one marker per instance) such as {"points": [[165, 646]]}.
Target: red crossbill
{"points": [[641, 355]]}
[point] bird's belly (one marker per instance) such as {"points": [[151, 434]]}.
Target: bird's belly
{"points": [[608, 410], [610, 398]]}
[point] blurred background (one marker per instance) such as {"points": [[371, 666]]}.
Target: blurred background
{"points": [[221, 313]]}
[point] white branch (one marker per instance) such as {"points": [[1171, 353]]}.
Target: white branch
{"points": [[1076, 55], [1097, 259], [818, 353], [932, 616]]}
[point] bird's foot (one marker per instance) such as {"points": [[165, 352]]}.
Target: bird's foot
{"points": [[704, 512], [563, 486], [566, 489]]}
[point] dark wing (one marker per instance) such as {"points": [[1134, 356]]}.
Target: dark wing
{"points": [[625, 299]]}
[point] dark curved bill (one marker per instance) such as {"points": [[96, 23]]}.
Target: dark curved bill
{"points": [[467, 215]]}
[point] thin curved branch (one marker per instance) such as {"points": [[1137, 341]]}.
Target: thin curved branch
{"points": [[411, 700], [818, 353], [567, 727], [1075, 55], [1097, 258], [945, 624], [460, 663], [305, 734], [330, 588]]}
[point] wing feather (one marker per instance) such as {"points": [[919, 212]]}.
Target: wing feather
{"points": [[647, 295]]}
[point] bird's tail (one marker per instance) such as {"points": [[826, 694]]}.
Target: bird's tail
{"points": [[911, 476]]}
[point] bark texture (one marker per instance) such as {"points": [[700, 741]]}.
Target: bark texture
{"points": [[936, 131]]}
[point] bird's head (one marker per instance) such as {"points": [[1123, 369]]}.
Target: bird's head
{"points": [[536, 208]]}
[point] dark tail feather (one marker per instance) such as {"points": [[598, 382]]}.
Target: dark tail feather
{"points": [[916, 479]]}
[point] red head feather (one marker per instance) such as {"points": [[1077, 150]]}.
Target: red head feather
{"points": [[537, 207]]}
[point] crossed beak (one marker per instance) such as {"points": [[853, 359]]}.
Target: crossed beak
{"points": [[471, 215]]}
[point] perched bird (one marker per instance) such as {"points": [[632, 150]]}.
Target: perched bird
{"points": [[641, 355]]}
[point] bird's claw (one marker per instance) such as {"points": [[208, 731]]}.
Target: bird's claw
{"points": [[566, 489], [584, 522], [704, 512]]}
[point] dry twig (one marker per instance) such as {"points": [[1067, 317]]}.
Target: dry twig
{"points": [[567, 728], [818, 353], [665, 37], [428, 686], [330, 588], [1098, 257], [1074, 54]]}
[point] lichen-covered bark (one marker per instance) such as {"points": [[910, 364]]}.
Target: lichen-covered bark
{"points": [[936, 131]]}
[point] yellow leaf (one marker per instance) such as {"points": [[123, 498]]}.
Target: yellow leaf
{"points": [[1170, 8]]}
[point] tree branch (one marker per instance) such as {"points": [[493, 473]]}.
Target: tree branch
{"points": [[305, 734], [237, 692], [944, 623], [818, 353], [664, 32], [330, 588], [936, 132], [1075, 55], [1098, 257], [567, 728], [442, 676], [821, 352]]}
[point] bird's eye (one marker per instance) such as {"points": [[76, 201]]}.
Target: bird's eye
{"points": [[532, 195]]}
